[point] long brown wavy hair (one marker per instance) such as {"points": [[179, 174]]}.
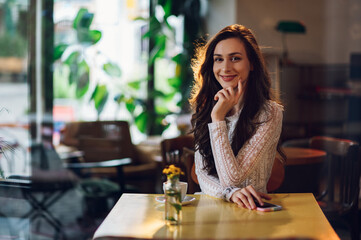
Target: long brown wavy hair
{"points": [[205, 86]]}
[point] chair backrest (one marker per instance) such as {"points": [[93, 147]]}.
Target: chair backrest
{"points": [[190, 171], [343, 169], [299, 142], [172, 148], [277, 176], [105, 140]]}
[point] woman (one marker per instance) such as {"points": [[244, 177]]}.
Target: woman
{"points": [[236, 123]]}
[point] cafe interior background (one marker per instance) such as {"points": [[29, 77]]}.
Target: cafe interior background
{"points": [[63, 62]]}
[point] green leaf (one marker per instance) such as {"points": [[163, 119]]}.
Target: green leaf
{"points": [[161, 110], [177, 206], [72, 58], [146, 35], [178, 58], [141, 121], [130, 105], [83, 79], [100, 97], [83, 19], [140, 19], [156, 93], [59, 50], [135, 84], [88, 36], [169, 96], [112, 69], [154, 26], [159, 49], [119, 98], [167, 7], [95, 36], [175, 82]]}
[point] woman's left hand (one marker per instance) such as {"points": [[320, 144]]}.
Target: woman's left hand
{"points": [[245, 197]]}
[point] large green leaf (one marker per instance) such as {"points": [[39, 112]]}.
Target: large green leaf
{"points": [[157, 93], [83, 19], [82, 80], [179, 58], [130, 105], [163, 110], [169, 96], [167, 7], [59, 50], [159, 49], [72, 58], [141, 121], [175, 82], [135, 84], [112, 69], [100, 97], [72, 62], [155, 27], [88, 36]]}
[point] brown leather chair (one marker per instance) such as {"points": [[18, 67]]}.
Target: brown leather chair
{"points": [[105, 140], [340, 202]]}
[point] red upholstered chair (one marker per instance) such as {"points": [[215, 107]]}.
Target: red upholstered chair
{"points": [[277, 176]]}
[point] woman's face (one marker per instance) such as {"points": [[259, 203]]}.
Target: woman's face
{"points": [[231, 63]]}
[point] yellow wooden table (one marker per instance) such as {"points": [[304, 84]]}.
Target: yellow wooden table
{"points": [[140, 216]]}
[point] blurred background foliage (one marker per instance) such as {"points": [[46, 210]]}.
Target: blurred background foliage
{"points": [[165, 53], [166, 88], [75, 61]]}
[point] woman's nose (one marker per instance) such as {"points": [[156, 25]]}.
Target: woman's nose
{"points": [[227, 65]]}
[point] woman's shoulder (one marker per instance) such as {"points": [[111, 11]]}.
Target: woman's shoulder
{"points": [[272, 105], [271, 108]]}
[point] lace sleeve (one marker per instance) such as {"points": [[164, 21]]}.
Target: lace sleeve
{"points": [[254, 161], [210, 184]]}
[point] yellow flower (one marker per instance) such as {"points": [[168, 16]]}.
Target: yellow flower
{"points": [[172, 171]]}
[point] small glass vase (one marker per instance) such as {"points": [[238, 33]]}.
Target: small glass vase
{"points": [[173, 203]]}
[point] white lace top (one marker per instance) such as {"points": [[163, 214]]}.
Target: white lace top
{"points": [[253, 163]]}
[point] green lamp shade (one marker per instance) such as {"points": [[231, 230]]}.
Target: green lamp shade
{"points": [[291, 27]]}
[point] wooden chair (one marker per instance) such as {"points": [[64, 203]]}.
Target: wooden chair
{"points": [[179, 151], [172, 148], [105, 140], [277, 176], [343, 181], [190, 170]]}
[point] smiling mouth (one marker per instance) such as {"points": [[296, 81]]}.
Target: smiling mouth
{"points": [[228, 78]]}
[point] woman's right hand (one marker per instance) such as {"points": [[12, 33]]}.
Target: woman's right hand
{"points": [[245, 197], [226, 99]]}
